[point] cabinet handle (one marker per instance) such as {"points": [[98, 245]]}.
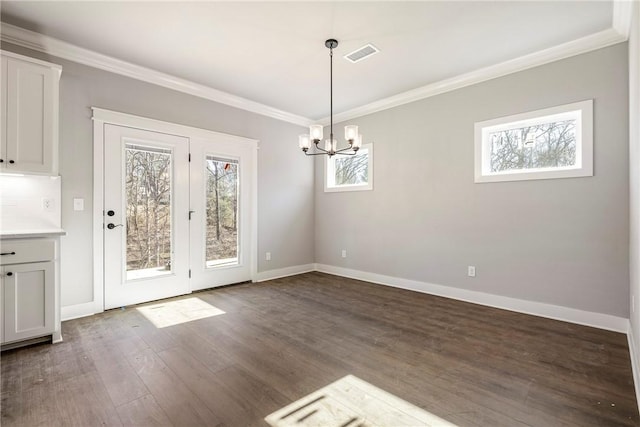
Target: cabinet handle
{"points": [[11, 161], [1, 160], [8, 253], [9, 274]]}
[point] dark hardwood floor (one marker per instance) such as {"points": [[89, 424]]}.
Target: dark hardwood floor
{"points": [[283, 339]]}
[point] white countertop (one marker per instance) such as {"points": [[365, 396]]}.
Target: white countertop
{"points": [[31, 233]]}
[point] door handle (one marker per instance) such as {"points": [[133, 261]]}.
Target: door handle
{"points": [[8, 253], [111, 226]]}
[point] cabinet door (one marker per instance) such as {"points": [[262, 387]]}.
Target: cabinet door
{"points": [[28, 300], [31, 117]]}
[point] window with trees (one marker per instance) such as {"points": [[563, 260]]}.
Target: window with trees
{"points": [[551, 143], [148, 207], [222, 211], [350, 173]]}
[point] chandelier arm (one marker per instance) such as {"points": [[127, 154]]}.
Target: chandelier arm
{"points": [[322, 151], [316, 154], [345, 149]]}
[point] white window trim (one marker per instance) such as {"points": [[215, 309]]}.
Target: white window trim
{"points": [[584, 144], [350, 187]]}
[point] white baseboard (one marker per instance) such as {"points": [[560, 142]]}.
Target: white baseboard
{"points": [[78, 310], [284, 272], [556, 312], [635, 363]]}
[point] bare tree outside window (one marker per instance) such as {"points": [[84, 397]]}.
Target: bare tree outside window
{"points": [[222, 210], [352, 170], [148, 193], [546, 145]]}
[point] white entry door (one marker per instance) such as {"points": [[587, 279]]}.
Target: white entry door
{"points": [[221, 203], [146, 208]]}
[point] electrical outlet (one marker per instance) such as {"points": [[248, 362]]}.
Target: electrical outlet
{"points": [[48, 204], [344, 253], [471, 271], [267, 256]]}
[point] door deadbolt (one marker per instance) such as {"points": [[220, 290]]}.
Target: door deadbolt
{"points": [[111, 213]]}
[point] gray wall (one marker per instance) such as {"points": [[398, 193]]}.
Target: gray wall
{"points": [[285, 177], [561, 241]]}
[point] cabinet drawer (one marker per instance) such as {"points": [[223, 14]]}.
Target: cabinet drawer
{"points": [[31, 250]]}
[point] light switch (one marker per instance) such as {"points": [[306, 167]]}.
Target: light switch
{"points": [[78, 204]]}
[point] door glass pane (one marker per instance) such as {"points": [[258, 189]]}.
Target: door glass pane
{"points": [[148, 204], [222, 211]]}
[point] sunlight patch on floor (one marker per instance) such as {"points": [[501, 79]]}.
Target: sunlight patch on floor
{"points": [[179, 311], [352, 402]]}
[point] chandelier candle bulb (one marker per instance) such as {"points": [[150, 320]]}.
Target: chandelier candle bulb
{"points": [[304, 142], [357, 143], [351, 133], [316, 132]]}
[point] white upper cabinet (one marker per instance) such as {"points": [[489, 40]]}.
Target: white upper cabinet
{"points": [[29, 115]]}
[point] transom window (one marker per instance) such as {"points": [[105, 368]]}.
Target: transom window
{"points": [[551, 143], [350, 173]]}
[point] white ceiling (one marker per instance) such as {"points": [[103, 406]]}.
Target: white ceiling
{"points": [[274, 53]]}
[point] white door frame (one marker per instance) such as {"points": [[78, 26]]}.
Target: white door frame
{"points": [[100, 118]]}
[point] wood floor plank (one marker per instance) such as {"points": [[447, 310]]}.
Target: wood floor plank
{"points": [[181, 405], [206, 353], [143, 412], [240, 387], [121, 381], [83, 400]]}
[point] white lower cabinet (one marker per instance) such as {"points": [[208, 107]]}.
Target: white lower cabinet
{"points": [[28, 294]]}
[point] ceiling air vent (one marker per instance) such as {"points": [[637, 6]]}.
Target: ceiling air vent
{"points": [[362, 53]]}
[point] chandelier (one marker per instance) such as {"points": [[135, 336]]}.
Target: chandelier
{"points": [[315, 131]]}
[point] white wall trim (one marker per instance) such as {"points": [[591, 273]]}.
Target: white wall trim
{"points": [[556, 312], [98, 216], [52, 46], [155, 125], [575, 47], [78, 310], [635, 363], [284, 272], [622, 14]]}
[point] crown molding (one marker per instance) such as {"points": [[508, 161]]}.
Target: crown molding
{"points": [[622, 13], [575, 47], [52, 46]]}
